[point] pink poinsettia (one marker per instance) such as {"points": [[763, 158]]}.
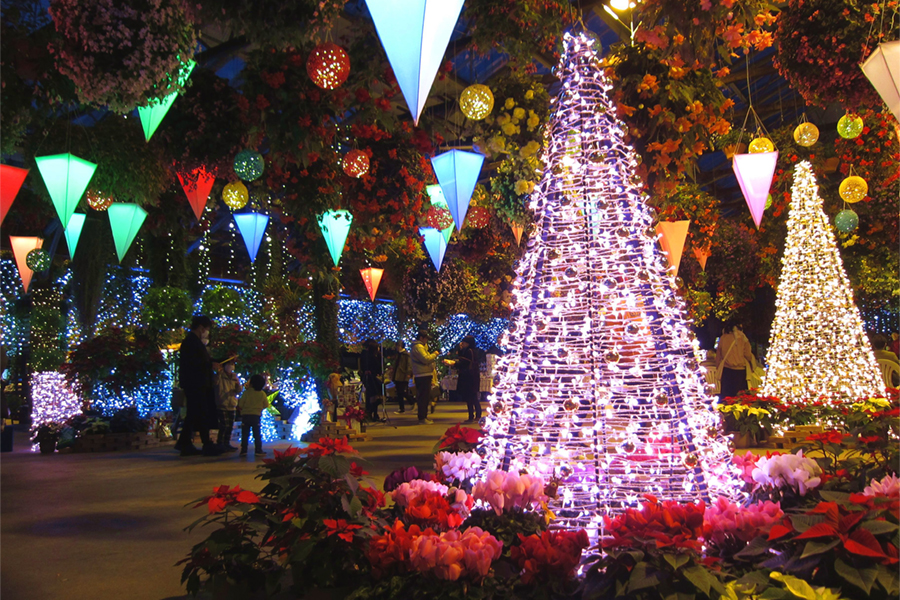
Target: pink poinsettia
{"points": [[506, 491]]}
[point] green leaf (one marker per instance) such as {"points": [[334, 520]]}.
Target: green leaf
{"points": [[355, 506], [700, 577], [879, 527], [832, 496], [640, 578], [889, 580], [803, 522], [861, 578], [813, 547], [796, 586], [756, 547], [676, 560], [335, 465]]}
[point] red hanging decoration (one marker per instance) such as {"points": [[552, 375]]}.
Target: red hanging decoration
{"points": [[328, 66], [356, 163], [197, 186], [11, 179], [478, 217], [439, 218], [99, 200], [372, 278]]}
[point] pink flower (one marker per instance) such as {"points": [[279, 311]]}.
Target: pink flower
{"points": [[724, 519], [746, 463], [453, 555], [506, 491], [889, 486], [408, 491]]}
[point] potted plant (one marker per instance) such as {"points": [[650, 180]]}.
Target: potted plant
{"points": [[752, 418], [46, 436]]}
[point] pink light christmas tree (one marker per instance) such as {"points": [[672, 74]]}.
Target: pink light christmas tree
{"points": [[601, 388]]}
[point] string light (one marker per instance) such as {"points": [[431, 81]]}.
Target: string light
{"points": [[818, 346], [52, 399], [601, 387]]}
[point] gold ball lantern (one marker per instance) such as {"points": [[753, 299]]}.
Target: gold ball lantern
{"points": [[235, 195], [806, 134], [850, 126], [853, 189], [761, 144], [476, 101]]}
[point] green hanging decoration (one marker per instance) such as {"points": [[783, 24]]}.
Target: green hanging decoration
{"points": [[125, 221], [152, 115]]}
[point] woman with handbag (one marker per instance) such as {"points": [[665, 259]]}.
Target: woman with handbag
{"points": [[733, 355]]}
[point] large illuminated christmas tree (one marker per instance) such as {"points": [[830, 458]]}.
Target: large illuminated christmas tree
{"points": [[601, 387], [818, 346]]}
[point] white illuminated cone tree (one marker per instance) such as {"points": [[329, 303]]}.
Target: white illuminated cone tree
{"points": [[601, 387], [817, 346]]}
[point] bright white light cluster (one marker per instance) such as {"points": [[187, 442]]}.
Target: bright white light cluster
{"points": [[150, 398], [601, 387], [818, 346], [52, 399]]}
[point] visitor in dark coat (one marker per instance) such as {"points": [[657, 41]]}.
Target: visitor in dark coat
{"points": [[195, 377]]}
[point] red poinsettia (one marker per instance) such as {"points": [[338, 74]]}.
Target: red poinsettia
{"points": [[328, 445], [828, 437], [662, 524], [459, 439], [340, 528], [223, 496]]}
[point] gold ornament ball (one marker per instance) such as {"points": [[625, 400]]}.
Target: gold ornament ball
{"points": [[850, 126], [99, 200], [235, 195], [760, 145], [853, 189], [476, 101], [806, 134]]}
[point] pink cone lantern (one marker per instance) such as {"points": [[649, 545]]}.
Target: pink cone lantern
{"points": [[754, 174], [702, 255], [197, 186], [672, 237], [517, 230], [372, 278], [21, 246], [11, 179], [882, 69]]}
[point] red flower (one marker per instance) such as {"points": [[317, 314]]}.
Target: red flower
{"points": [[223, 496], [550, 556], [357, 471], [659, 524], [341, 528], [828, 437], [330, 446], [456, 436]]}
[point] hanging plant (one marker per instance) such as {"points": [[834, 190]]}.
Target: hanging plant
{"points": [[273, 23], [524, 29], [122, 53], [821, 44]]}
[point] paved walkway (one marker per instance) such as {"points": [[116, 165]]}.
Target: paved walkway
{"points": [[110, 525]]}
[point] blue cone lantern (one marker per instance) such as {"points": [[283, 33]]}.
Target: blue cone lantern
{"points": [[252, 227], [457, 172]]}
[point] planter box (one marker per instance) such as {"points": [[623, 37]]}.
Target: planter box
{"points": [[115, 442]]}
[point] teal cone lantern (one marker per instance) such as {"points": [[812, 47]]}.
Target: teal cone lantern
{"points": [[152, 115], [249, 165], [335, 225], [66, 177], [846, 221], [73, 233], [125, 221]]}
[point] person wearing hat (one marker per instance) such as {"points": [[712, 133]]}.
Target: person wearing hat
{"points": [[469, 374], [423, 374], [227, 389]]}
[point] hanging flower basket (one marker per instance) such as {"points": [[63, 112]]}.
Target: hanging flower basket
{"points": [[122, 53]]}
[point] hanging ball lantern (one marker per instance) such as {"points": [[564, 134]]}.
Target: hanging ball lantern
{"points": [[328, 66], [761, 144], [853, 189], [850, 126], [37, 260], [478, 217], [99, 200], [806, 134], [249, 165], [476, 101], [356, 163], [846, 220], [439, 217], [235, 195]]}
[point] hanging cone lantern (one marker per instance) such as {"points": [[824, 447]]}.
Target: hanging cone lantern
{"points": [[252, 227], [11, 179], [702, 255], [518, 229], [672, 235], [125, 219], [436, 195], [447, 232], [372, 278], [66, 177], [152, 115], [882, 69], [435, 245], [415, 37], [457, 173], [197, 187], [73, 232], [754, 174], [21, 246], [335, 225]]}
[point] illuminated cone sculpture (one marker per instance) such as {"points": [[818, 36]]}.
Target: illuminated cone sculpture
{"points": [[818, 346], [11, 179], [125, 219], [600, 386]]}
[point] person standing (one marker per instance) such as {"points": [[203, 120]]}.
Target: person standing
{"points": [[195, 377], [733, 354], [423, 374], [251, 404], [228, 386], [469, 375], [401, 374], [370, 374]]}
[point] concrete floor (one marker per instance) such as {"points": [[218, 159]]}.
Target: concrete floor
{"points": [[110, 525]]}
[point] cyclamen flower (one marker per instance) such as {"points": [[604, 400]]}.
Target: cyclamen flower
{"points": [[409, 491], [402, 476], [453, 555], [506, 491], [724, 519], [459, 466], [788, 470], [889, 486], [746, 464]]}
